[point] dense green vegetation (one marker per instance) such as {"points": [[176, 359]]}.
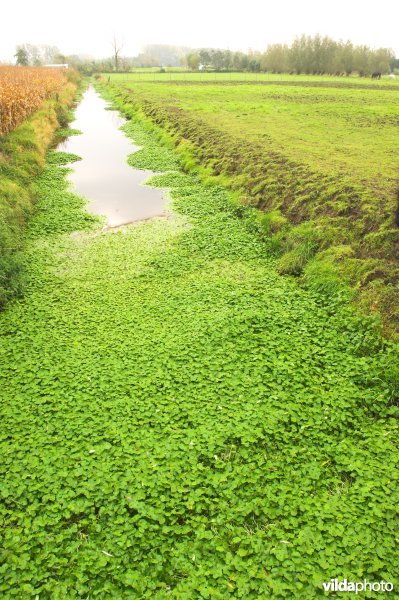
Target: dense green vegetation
{"points": [[318, 155], [180, 421], [22, 155]]}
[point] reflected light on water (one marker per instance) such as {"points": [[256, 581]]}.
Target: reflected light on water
{"points": [[111, 186]]}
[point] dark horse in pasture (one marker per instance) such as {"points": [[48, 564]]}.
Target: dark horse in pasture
{"points": [[376, 75]]}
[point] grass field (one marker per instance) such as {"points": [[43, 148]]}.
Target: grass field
{"points": [[180, 421], [338, 129], [319, 150], [179, 74]]}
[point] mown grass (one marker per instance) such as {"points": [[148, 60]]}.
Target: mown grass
{"points": [[180, 75], [22, 157], [317, 151], [180, 421]]}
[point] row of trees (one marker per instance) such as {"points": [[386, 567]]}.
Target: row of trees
{"points": [[223, 60], [37, 55], [307, 54], [154, 55]]}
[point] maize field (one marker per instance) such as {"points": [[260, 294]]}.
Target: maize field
{"points": [[23, 90]]}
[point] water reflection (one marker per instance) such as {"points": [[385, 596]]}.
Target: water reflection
{"points": [[111, 187]]}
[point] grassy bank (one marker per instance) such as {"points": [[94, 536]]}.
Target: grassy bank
{"points": [[318, 157], [22, 157], [180, 421]]}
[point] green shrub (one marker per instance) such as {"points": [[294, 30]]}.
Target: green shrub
{"points": [[272, 222], [300, 244], [322, 273], [294, 261], [63, 115]]}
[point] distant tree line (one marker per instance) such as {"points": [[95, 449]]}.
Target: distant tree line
{"points": [[154, 55], [307, 54], [37, 55], [223, 60]]}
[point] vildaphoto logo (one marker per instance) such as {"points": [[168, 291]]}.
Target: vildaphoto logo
{"points": [[343, 585]]}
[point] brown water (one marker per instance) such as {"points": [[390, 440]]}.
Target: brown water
{"points": [[112, 188]]}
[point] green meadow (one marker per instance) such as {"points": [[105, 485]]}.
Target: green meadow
{"points": [[318, 156], [179, 419], [344, 129], [180, 74]]}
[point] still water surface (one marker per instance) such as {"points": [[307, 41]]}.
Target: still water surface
{"points": [[111, 187]]}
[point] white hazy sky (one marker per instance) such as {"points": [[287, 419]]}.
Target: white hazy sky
{"points": [[87, 26]]}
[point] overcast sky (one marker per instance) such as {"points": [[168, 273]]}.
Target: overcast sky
{"points": [[87, 26]]}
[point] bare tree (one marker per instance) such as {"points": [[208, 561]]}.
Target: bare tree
{"points": [[117, 46]]}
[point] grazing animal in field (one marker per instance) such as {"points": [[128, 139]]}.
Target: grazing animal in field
{"points": [[376, 75], [391, 75]]}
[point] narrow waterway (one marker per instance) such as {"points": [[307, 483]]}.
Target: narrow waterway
{"points": [[111, 186], [177, 416]]}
